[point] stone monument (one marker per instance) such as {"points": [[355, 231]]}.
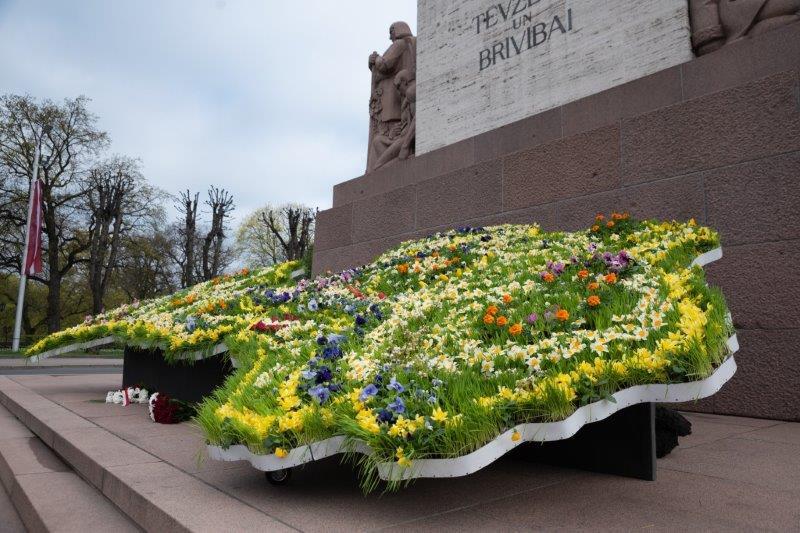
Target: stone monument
{"points": [[550, 111], [484, 64], [392, 104], [716, 23]]}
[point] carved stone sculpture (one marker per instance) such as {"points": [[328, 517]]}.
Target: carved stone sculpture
{"points": [[392, 104], [716, 23]]}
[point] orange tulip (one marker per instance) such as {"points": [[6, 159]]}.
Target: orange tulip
{"points": [[515, 329], [610, 278], [583, 274], [488, 319], [507, 298], [502, 321], [562, 315], [593, 300]]}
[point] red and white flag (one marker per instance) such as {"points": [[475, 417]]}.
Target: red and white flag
{"points": [[33, 255]]}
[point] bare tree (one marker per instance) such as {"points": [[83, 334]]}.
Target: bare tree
{"points": [[221, 203], [119, 202], [67, 152], [185, 258], [293, 227], [146, 268]]}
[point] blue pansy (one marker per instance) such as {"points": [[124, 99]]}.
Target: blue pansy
{"points": [[360, 320], [397, 406], [368, 392], [336, 339], [320, 393], [395, 385], [324, 374], [331, 352], [313, 305], [384, 415]]}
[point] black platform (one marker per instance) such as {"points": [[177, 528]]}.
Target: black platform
{"points": [[623, 444], [190, 382]]}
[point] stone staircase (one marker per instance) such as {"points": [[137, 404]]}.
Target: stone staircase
{"points": [[65, 473]]}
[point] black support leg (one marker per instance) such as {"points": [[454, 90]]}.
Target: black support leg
{"points": [[623, 444]]}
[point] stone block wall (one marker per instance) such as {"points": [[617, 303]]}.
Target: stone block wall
{"points": [[717, 139]]}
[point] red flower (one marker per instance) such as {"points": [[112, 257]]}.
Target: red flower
{"points": [[259, 326]]}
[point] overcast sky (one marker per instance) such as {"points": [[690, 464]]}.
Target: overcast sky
{"points": [[266, 98]]}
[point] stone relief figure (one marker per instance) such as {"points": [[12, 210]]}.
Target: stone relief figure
{"points": [[393, 99], [716, 23]]}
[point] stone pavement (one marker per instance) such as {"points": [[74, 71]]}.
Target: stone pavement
{"points": [[21, 362], [730, 474]]}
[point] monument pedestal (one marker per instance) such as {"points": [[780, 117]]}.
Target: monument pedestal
{"points": [[189, 381]]}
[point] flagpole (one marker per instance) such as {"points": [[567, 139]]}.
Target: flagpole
{"points": [[23, 275]]}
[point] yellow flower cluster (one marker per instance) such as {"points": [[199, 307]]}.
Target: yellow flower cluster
{"points": [[405, 427]]}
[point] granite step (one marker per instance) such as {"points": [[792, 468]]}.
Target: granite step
{"points": [[46, 493], [155, 495]]}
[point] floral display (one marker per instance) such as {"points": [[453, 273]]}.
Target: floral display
{"points": [[193, 320], [442, 344]]}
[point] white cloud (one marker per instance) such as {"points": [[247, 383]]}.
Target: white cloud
{"points": [[266, 98]]}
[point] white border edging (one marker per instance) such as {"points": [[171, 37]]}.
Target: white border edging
{"points": [[490, 452], [708, 257], [70, 348], [198, 355]]}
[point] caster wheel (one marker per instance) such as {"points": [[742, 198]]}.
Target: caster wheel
{"points": [[279, 477]]}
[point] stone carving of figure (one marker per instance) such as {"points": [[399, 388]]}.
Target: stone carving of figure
{"points": [[393, 99], [716, 23]]}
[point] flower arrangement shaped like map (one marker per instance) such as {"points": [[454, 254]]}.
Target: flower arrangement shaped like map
{"points": [[443, 344]]}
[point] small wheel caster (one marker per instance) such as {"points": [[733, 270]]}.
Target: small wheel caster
{"points": [[279, 477]]}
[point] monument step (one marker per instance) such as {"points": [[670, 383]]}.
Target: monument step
{"points": [[156, 495], [47, 494]]}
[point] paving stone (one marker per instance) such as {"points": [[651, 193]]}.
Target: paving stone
{"points": [[705, 431], [734, 420], [325, 495], [9, 517], [11, 428], [61, 501], [162, 498], [758, 463], [26, 456], [91, 451], [675, 502], [788, 433]]}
